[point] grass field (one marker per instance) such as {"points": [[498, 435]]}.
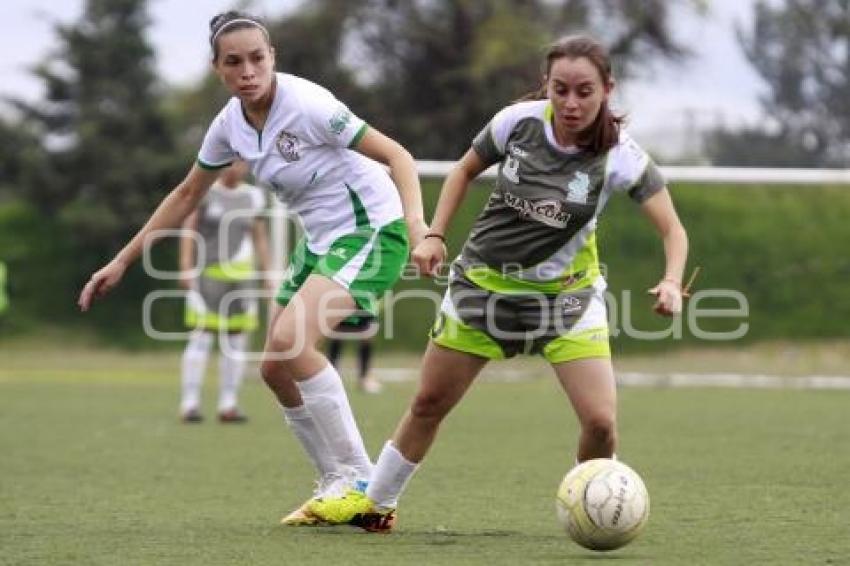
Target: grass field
{"points": [[95, 469]]}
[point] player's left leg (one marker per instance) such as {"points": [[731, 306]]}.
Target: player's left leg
{"points": [[192, 368]]}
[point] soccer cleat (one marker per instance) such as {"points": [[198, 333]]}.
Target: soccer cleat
{"points": [[191, 416], [375, 521], [353, 508], [232, 416], [332, 484], [301, 517]]}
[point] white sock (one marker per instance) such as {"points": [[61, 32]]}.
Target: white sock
{"points": [[308, 434], [231, 368], [392, 472], [325, 397], [193, 366]]}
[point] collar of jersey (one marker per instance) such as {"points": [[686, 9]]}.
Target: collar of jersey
{"points": [[278, 95]]}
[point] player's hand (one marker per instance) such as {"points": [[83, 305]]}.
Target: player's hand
{"points": [[668, 295], [101, 283], [416, 231], [429, 255]]}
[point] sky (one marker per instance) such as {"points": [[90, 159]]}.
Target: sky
{"points": [[665, 106]]}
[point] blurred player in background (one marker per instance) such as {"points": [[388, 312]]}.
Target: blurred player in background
{"points": [[324, 163], [228, 225], [528, 278], [359, 329]]}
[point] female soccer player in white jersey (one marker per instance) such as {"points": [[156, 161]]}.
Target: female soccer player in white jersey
{"points": [[323, 162], [528, 278]]}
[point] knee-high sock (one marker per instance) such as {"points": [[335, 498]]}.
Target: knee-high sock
{"points": [[392, 473], [308, 434], [231, 368], [326, 400], [193, 366]]}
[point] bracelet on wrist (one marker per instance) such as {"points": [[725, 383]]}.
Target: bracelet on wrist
{"points": [[434, 235]]}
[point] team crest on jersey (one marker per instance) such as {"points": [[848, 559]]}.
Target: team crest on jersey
{"points": [[339, 120], [510, 170], [578, 188], [288, 146]]}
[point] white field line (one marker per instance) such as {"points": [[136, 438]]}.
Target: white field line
{"points": [[642, 379]]}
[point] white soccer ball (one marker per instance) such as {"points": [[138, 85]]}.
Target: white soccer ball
{"points": [[603, 504]]}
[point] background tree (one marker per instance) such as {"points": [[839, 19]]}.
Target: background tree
{"points": [[104, 158], [446, 66], [107, 154], [801, 48]]}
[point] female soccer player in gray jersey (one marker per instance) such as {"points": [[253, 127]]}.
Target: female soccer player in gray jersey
{"points": [[323, 162], [528, 278], [218, 247]]}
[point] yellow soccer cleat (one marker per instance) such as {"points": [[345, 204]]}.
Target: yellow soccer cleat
{"points": [[353, 508], [301, 517], [333, 484]]}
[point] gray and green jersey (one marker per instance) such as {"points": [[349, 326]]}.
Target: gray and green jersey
{"points": [[225, 226], [537, 232]]}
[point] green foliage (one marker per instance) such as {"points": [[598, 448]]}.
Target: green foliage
{"points": [[92, 161], [801, 48], [782, 247], [47, 268], [106, 149], [446, 67]]}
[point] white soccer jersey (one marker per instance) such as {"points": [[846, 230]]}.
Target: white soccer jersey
{"points": [[303, 155]]}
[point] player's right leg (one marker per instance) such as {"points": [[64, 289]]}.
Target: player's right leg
{"points": [[446, 376]]}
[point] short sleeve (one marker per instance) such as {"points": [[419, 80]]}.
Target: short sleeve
{"points": [[331, 122], [216, 152], [632, 170], [490, 142], [649, 183]]}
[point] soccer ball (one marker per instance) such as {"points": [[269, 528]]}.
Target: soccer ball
{"points": [[603, 504]]}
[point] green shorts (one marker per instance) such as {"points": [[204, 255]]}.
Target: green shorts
{"points": [[367, 263], [568, 326]]}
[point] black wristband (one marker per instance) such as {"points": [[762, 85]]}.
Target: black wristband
{"points": [[433, 235]]}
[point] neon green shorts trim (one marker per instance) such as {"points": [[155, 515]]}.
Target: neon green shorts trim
{"points": [[455, 335], [367, 263], [221, 305], [493, 325]]}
